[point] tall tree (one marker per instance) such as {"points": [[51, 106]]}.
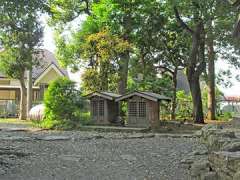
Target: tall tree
{"points": [[217, 31], [20, 35], [137, 22], [236, 4], [103, 50], [218, 27], [126, 19], [211, 75], [196, 61], [172, 57]]}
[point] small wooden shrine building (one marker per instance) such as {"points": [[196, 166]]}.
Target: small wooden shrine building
{"points": [[143, 108], [104, 108]]}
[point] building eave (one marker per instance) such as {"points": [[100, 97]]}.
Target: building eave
{"points": [[7, 87], [140, 94], [51, 66]]}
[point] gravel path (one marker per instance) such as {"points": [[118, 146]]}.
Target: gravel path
{"points": [[93, 156]]}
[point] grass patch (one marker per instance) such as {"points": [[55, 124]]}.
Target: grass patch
{"points": [[45, 124], [82, 120], [15, 121], [176, 127]]}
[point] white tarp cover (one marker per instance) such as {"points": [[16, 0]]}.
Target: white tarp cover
{"points": [[37, 112]]}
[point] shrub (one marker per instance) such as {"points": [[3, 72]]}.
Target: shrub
{"points": [[184, 105], [226, 116], [61, 103], [84, 117]]}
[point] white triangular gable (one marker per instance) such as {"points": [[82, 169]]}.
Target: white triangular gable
{"points": [[46, 71]]}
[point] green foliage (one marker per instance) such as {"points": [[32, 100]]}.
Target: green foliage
{"points": [[60, 96], [10, 64], [184, 105], [219, 96], [20, 34], [46, 124], [20, 38], [124, 39], [226, 116], [64, 11], [15, 121], [84, 117], [165, 110], [150, 82], [112, 29], [103, 50], [62, 102]]}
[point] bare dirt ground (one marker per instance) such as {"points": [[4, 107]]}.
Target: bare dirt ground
{"points": [[70, 155]]}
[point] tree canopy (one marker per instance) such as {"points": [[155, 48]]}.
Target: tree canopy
{"points": [[157, 39], [20, 37], [127, 45]]}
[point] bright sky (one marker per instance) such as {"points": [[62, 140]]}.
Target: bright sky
{"points": [[235, 89], [220, 65], [48, 43]]}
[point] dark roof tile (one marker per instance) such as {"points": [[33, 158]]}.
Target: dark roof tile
{"points": [[46, 59], [147, 95], [106, 95]]}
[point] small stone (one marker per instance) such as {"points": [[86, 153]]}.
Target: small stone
{"points": [[53, 138], [140, 136], [2, 171], [128, 157], [69, 157], [98, 136], [188, 160], [198, 133], [197, 152]]}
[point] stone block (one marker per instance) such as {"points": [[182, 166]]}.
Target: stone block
{"points": [[236, 176], [216, 138], [227, 162], [199, 167], [232, 146], [209, 176]]}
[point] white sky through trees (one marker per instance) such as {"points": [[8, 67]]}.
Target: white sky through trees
{"points": [[48, 43]]}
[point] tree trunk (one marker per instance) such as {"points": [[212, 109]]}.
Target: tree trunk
{"points": [[23, 99], [123, 73], [123, 77], [125, 57], [196, 98], [195, 69], [29, 92], [211, 78], [104, 71], [174, 99], [196, 63]]}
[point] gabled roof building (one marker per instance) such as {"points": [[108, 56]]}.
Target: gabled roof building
{"points": [[42, 74], [104, 109], [143, 108]]}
